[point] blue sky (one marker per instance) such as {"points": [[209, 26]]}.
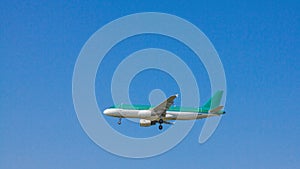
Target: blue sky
{"points": [[258, 44]]}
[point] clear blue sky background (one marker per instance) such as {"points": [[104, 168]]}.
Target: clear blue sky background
{"points": [[258, 43]]}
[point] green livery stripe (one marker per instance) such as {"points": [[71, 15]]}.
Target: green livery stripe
{"points": [[172, 108], [212, 103]]}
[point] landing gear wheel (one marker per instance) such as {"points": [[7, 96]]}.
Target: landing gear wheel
{"points": [[119, 122], [160, 121], [160, 127]]}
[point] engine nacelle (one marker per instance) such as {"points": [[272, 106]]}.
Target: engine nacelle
{"points": [[144, 113], [146, 123]]}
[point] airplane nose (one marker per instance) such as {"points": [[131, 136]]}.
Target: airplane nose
{"points": [[109, 112], [106, 112]]}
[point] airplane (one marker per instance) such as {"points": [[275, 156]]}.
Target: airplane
{"points": [[164, 112]]}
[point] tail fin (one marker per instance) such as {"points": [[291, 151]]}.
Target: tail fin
{"points": [[215, 101]]}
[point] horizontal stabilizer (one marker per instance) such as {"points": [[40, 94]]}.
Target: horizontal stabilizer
{"points": [[215, 110]]}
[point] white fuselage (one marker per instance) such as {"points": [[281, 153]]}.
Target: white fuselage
{"points": [[149, 115]]}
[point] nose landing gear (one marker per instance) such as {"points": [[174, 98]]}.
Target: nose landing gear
{"points": [[119, 122]]}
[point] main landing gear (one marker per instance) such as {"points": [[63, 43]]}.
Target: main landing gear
{"points": [[119, 122], [160, 127]]}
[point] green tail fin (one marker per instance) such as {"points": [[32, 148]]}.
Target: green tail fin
{"points": [[214, 101]]}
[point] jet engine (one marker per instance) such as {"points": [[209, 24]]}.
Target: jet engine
{"points": [[146, 123]]}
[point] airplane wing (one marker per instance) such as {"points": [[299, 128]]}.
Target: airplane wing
{"points": [[164, 106]]}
